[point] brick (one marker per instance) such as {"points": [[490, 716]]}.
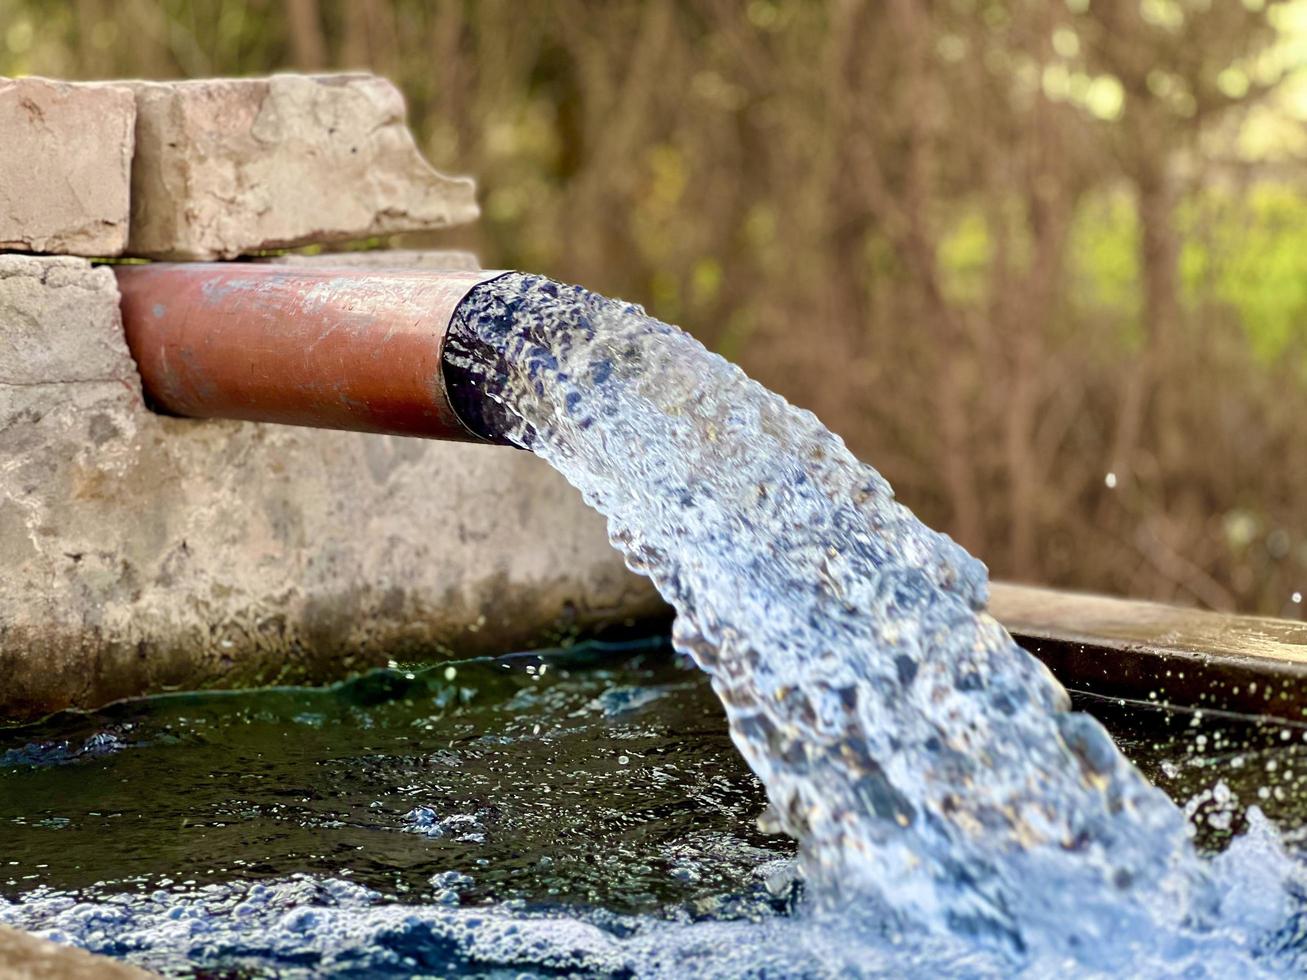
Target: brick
{"points": [[65, 166], [227, 167]]}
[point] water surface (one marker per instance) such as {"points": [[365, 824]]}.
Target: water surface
{"points": [[399, 825]]}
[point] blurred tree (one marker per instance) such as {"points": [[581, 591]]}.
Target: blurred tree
{"points": [[1017, 251]]}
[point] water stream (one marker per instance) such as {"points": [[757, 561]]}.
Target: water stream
{"points": [[938, 785]]}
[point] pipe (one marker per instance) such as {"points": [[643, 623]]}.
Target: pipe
{"points": [[339, 348]]}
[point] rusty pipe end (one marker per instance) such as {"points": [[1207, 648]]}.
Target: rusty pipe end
{"points": [[334, 348]]}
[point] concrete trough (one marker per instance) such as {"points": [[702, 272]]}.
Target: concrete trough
{"points": [[1160, 654]]}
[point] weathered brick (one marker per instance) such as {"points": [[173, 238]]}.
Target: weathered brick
{"points": [[225, 167], [65, 165]]}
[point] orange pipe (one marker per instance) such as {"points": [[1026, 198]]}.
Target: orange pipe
{"points": [[339, 348]]}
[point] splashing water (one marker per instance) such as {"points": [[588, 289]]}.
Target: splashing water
{"points": [[939, 786]]}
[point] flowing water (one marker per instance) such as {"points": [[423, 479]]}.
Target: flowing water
{"points": [[575, 811], [930, 804], [939, 787]]}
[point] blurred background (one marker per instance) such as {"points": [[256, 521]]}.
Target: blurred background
{"points": [[1042, 262]]}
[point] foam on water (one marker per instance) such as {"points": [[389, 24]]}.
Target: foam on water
{"points": [[943, 794], [306, 927]]}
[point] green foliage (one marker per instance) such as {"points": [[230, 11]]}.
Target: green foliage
{"points": [[1244, 251], [1104, 277], [965, 252], [1248, 250]]}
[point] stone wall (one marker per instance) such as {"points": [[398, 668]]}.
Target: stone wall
{"points": [[140, 553]]}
